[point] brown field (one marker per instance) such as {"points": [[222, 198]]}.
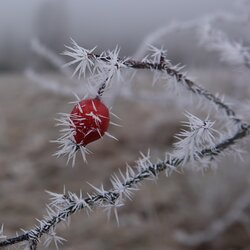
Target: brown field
{"points": [[189, 201]]}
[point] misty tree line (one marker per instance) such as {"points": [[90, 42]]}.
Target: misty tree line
{"points": [[50, 26]]}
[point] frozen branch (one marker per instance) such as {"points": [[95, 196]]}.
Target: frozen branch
{"points": [[64, 205], [158, 36], [107, 65], [85, 60], [46, 53], [196, 144], [233, 53], [51, 85]]}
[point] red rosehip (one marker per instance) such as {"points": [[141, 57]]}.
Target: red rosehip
{"points": [[90, 121]]}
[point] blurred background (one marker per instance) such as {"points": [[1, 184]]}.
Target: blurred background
{"points": [[90, 23], [33, 89]]}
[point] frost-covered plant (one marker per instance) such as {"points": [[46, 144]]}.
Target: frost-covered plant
{"points": [[199, 144]]}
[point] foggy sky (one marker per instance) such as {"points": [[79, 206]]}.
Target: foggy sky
{"points": [[104, 23], [107, 21]]}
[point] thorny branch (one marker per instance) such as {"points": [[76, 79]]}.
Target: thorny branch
{"points": [[172, 72], [112, 196], [149, 170]]}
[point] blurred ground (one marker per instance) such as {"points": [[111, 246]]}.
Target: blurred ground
{"points": [[190, 201]]}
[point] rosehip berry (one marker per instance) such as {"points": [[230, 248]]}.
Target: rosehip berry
{"points": [[90, 121]]}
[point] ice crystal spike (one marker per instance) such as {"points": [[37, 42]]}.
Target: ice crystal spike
{"points": [[81, 57]]}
